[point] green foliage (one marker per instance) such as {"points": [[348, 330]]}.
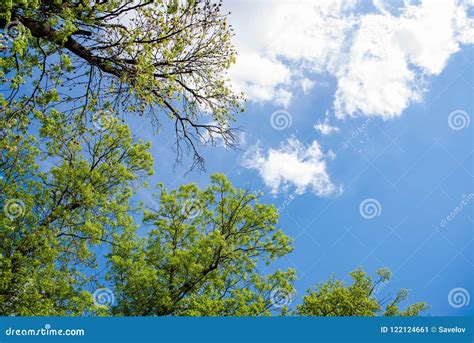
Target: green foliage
{"points": [[334, 298], [65, 190], [65, 196], [201, 256], [160, 59], [70, 168]]}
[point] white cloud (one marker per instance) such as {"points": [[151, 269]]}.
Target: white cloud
{"points": [[283, 97], [260, 78], [268, 32], [380, 59], [376, 79], [325, 128], [311, 32], [307, 85], [293, 164], [390, 56], [464, 24], [426, 34]]}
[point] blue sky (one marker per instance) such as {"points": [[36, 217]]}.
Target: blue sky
{"points": [[391, 87]]}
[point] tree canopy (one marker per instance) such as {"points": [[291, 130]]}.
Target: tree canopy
{"points": [[69, 229], [158, 59], [202, 255], [73, 239], [335, 298], [63, 191]]}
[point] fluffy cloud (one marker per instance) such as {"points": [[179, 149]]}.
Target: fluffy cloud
{"points": [[261, 79], [293, 164], [380, 58], [325, 128], [268, 32], [390, 55]]}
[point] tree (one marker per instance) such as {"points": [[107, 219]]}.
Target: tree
{"points": [[64, 191], [334, 298], [69, 168], [65, 197], [202, 256], [122, 57]]}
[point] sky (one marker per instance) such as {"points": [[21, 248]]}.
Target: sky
{"points": [[358, 129]]}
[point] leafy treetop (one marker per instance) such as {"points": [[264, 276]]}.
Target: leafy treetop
{"points": [[334, 298], [144, 57]]}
